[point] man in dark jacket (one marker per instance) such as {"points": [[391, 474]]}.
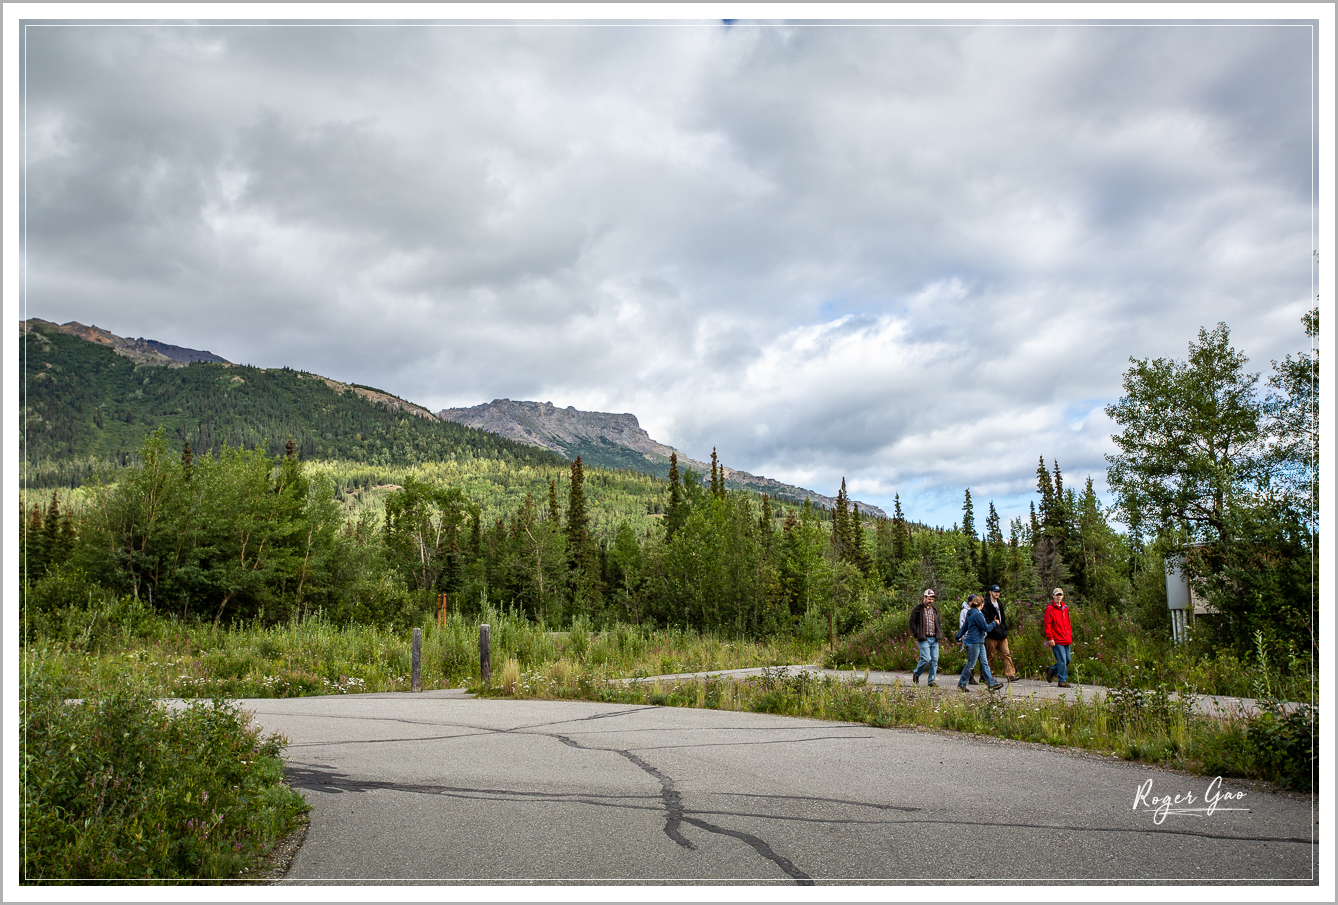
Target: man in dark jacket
{"points": [[928, 628], [996, 642]]}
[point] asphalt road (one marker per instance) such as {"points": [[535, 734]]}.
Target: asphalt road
{"points": [[441, 788]]}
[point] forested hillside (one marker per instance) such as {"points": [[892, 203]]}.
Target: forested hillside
{"points": [[84, 406]]}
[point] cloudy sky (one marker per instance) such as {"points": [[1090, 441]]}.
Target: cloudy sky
{"points": [[917, 256]]}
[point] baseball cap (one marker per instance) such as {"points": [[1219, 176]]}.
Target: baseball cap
{"points": [[929, 592], [994, 587]]}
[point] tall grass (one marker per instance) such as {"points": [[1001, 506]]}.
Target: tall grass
{"points": [[1153, 728], [92, 649]]}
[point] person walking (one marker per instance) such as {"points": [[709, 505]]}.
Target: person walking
{"points": [[1058, 637], [996, 642], [972, 634], [961, 624], [928, 628]]}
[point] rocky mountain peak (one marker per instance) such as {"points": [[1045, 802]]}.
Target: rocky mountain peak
{"points": [[612, 440]]}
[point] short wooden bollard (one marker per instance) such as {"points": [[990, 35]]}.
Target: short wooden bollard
{"points": [[485, 652], [416, 681]]}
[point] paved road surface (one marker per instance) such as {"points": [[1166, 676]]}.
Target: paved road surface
{"points": [[441, 788]]}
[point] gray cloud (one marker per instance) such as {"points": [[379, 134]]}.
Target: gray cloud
{"points": [[915, 256]]}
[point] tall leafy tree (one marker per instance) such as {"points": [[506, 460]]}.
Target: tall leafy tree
{"points": [[1291, 410], [421, 527], [1190, 437], [538, 565], [1201, 463]]}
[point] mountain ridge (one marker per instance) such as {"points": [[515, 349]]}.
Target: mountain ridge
{"points": [[570, 432], [602, 439]]}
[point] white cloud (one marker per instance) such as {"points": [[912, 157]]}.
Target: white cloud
{"points": [[918, 257]]}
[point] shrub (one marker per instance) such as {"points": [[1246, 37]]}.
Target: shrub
{"points": [[120, 788], [1283, 745]]}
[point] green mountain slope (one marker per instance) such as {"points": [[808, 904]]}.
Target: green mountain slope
{"points": [[83, 405]]}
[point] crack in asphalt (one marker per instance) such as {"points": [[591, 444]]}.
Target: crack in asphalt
{"points": [[673, 801], [330, 781], [759, 846], [669, 801], [674, 816]]}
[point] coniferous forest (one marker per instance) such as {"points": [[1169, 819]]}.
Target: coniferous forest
{"points": [[265, 495]]}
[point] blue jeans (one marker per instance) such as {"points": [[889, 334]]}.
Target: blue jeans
{"points": [[1062, 661], [976, 652], [928, 658]]}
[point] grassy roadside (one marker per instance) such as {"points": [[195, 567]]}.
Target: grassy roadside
{"points": [[94, 650], [1152, 728]]}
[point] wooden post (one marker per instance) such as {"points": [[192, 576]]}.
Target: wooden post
{"points": [[485, 652], [416, 682]]}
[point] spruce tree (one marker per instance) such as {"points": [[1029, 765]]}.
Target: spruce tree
{"points": [[859, 555], [842, 541], [1059, 521], [1047, 491], [51, 535], [553, 514], [717, 477], [677, 512], [969, 531], [578, 524], [34, 547], [475, 531], [992, 552], [900, 535]]}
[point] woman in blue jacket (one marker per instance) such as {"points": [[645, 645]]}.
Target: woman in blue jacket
{"points": [[972, 633]]}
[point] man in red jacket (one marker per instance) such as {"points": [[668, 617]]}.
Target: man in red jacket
{"points": [[1058, 637]]}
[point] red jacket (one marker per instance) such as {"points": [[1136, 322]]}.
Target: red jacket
{"points": [[1057, 627]]}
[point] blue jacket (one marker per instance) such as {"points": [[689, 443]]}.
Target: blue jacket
{"points": [[975, 629]]}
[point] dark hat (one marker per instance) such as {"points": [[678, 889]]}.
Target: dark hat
{"points": [[994, 587]]}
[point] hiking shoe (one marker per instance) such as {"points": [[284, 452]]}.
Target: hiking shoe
{"points": [[915, 678], [963, 689], [1012, 679], [932, 684], [1063, 685], [973, 681], [996, 686], [1049, 674]]}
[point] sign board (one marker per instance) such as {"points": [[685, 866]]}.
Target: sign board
{"points": [[1177, 588], [1179, 595]]}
